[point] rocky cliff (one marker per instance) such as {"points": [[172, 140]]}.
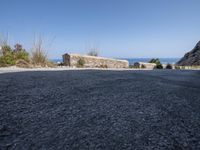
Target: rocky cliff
{"points": [[191, 58]]}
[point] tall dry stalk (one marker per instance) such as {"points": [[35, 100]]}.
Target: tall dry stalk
{"points": [[38, 53], [92, 49], [3, 42]]}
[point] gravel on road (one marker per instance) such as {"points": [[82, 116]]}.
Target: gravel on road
{"points": [[94, 109]]}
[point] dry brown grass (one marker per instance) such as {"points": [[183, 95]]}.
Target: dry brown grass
{"points": [[39, 54]]}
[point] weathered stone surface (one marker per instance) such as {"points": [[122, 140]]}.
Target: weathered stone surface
{"points": [[191, 58], [93, 62], [144, 65]]}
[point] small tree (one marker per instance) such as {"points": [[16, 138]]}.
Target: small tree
{"points": [[135, 65], [159, 66], [143, 66], [169, 66], [7, 58], [6, 49], [18, 47], [157, 62], [20, 53], [80, 63]]}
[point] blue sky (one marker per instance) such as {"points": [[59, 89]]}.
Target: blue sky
{"points": [[118, 28]]}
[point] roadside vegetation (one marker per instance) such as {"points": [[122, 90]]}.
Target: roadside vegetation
{"points": [[157, 62], [80, 63], [10, 56], [17, 55], [38, 54], [169, 66], [136, 65]]}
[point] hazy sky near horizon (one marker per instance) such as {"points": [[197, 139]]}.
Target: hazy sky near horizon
{"points": [[118, 28]]}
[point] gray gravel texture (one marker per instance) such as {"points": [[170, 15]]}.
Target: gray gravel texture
{"points": [[108, 110]]}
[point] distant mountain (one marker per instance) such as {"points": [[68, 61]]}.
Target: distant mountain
{"points": [[191, 58]]}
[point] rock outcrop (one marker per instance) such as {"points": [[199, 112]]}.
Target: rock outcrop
{"points": [[191, 58]]}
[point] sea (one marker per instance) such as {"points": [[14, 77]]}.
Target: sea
{"points": [[133, 60], [162, 60]]}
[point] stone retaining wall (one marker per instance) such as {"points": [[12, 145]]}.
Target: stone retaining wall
{"points": [[189, 67], [73, 60], [144, 65]]}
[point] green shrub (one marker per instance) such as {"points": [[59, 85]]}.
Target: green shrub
{"points": [[22, 55], [136, 65], [143, 66], [7, 60], [6, 49], [2, 64], [183, 67], [157, 62], [131, 66], [177, 67], [80, 63], [159, 66], [18, 47], [10, 56], [169, 66]]}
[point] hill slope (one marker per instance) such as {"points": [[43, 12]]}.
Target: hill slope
{"points": [[191, 58]]}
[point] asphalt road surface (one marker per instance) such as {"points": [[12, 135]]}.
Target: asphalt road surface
{"points": [[106, 110]]}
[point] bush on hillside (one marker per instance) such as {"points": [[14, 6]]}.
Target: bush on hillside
{"points": [[7, 60], [7, 57], [136, 65], [177, 67], [10, 56], [6, 49], [80, 63], [157, 62], [143, 66], [169, 66], [20, 53], [131, 66], [159, 66]]}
